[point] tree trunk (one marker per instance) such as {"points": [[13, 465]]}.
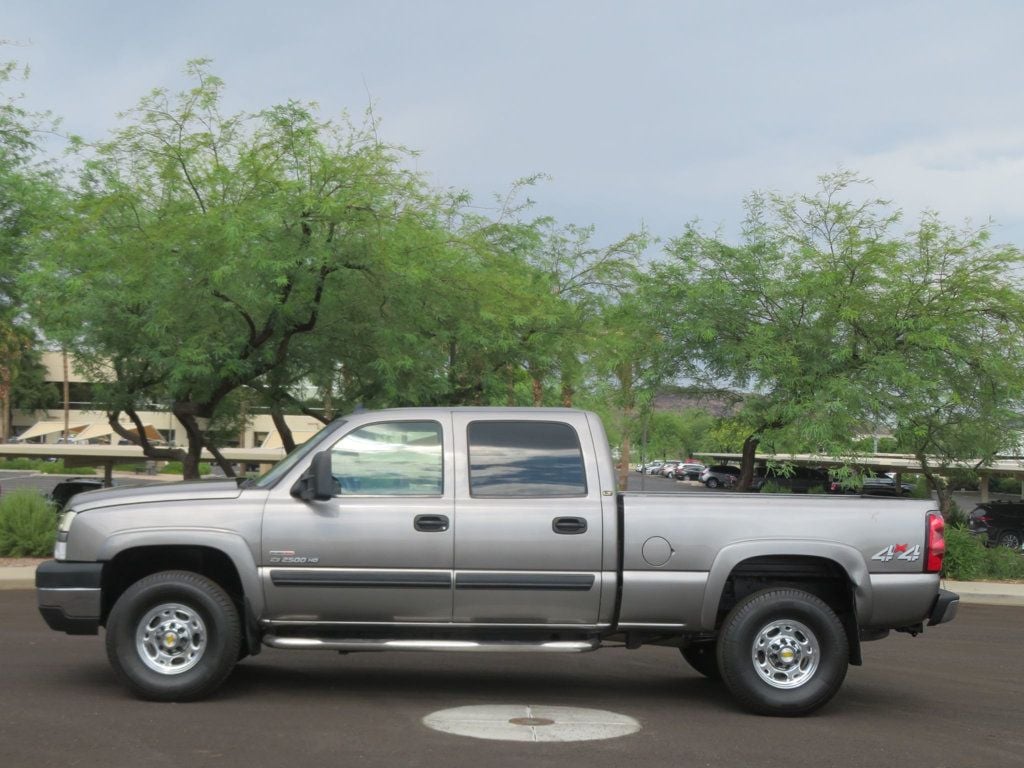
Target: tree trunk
{"points": [[287, 438], [193, 454], [747, 463]]}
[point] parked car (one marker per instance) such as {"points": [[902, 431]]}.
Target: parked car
{"points": [[688, 471], [872, 483], [720, 475], [668, 468], [649, 468], [1001, 522], [797, 479], [65, 489]]}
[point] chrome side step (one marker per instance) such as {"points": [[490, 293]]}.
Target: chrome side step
{"points": [[315, 643]]}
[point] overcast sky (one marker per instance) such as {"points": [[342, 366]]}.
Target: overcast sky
{"points": [[641, 112]]}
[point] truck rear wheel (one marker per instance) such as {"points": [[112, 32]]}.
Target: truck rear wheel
{"points": [[703, 657], [173, 636], [782, 652]]}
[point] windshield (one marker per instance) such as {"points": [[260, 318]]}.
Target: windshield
{"points": [[285, 465]]}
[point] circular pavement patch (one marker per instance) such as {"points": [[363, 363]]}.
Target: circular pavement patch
{"points": [[519, 722]]}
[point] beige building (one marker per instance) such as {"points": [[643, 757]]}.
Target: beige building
{"points": [[87, 425]]}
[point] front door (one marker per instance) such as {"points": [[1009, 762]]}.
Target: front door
{"points": [[380, 551]]}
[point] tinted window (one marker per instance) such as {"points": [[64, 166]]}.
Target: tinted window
{"points": [[525, 458], [394, 458]]}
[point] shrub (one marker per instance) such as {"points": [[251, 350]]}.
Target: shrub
{"points": [[27, 525], [968, 559], [176, 468], [921, 488], [44, 466], [1005, 485]]}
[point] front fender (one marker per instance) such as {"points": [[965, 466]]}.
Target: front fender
{"points": [[234, 546]]}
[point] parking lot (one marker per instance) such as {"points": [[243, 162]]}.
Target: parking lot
{"points": [[949, 698]]}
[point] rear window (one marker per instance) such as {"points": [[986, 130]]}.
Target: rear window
{"points": [[525, 459]]}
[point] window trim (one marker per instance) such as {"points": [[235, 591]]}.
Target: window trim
{"points": [[439, 495], [492, 496]]}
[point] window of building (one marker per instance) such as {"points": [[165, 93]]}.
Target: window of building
{"points": [[525, 458], [393, 458]]}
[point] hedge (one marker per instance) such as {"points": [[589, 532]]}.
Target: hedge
{"points": [[28, 525]]}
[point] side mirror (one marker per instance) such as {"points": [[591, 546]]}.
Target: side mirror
{"points": [[317, 483]]}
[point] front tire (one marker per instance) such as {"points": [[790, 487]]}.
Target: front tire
{"points": [[173, 636], [782, 652], [712, 482]]}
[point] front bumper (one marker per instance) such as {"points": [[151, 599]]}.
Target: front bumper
{"points": [[69, 596], [945, 607]]}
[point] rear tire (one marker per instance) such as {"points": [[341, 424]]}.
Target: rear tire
{"points": [[173, 636], [782, 652], [703, 657], [712, 482]]}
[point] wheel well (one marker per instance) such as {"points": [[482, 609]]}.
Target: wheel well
{"points": [[821, 577], [133, 564]]}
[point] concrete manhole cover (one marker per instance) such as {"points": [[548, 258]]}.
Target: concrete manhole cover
{"points": [[518, 722]]}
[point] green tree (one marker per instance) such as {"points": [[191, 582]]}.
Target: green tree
{"points": [[199, 246]]}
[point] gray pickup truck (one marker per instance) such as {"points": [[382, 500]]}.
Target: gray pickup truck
{"points": [[488, 529]]}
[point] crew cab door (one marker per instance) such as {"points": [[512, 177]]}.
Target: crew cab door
{"points": [[528, 510], [380, 550]]}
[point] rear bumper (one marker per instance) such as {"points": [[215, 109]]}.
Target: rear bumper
{"points": [[69, 596], [945, 607]]}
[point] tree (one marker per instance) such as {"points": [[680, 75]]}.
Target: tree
{"points": [[777, 316], [946, 349], [25, 183], [200, 247]]}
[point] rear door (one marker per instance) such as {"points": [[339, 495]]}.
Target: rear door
{"points": [[528, 511]]}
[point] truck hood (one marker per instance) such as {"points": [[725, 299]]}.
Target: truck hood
{"points": [[148, 494]]}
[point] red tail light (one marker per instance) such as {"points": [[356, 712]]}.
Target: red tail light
{"points": [[935, 543]]}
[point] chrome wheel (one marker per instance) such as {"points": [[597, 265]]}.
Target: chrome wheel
{"points": [[171, 638], [785, 654]]}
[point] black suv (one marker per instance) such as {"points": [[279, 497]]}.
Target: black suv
{"points": [[65, 489], [796, 480], [1001, 521]]}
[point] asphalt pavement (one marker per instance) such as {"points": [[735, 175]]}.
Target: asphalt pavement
{"points": [[949, 698]]}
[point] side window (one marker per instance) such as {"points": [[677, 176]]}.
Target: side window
{"points": [[393, 458], [525, 458]]}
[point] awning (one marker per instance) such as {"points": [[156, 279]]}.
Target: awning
{"points": [[273, 439], [103, 428], [41, 428]]}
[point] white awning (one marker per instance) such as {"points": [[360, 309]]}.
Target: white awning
{"points": [[41, 428], [103, 428]]}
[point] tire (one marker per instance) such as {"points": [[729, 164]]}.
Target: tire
{"points": [[712, 482], [782, 652], [1010, 540], [703, 657], [199, 636]]}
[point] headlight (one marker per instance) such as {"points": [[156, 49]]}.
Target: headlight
{"points": [[65, 522], [60, 549]]}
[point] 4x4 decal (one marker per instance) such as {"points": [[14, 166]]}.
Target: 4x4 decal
{"points": [[899, 552]]}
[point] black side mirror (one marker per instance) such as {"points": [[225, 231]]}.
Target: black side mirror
{"points": [[317, 483]]}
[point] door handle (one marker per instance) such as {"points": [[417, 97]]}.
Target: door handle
{"points": [[430, 523], [569, 525]]}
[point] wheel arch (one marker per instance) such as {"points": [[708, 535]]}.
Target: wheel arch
{"points": [[223, 557]]}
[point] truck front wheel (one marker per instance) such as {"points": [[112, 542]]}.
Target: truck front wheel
{"points": [[173, 636], [782, 652]]}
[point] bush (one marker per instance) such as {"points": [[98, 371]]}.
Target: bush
{"points": [[1004, 485], [968, 559], [921, 488], [44, 466], [28, 525], [176, 468]]}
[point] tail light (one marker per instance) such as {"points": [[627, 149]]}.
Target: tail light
{"points": [[935, 543]]}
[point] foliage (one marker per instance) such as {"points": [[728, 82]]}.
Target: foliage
{"points": [[44, 466], [176, 468], [968, 559], [28, 525], [673, 435]]}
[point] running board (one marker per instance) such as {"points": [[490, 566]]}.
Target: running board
{"points": [[314, 643]]}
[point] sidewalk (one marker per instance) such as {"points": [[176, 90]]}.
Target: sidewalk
{"points": [[971, 592]]}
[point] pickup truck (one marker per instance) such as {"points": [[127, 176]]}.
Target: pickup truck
{"points": [[488, 529]]}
